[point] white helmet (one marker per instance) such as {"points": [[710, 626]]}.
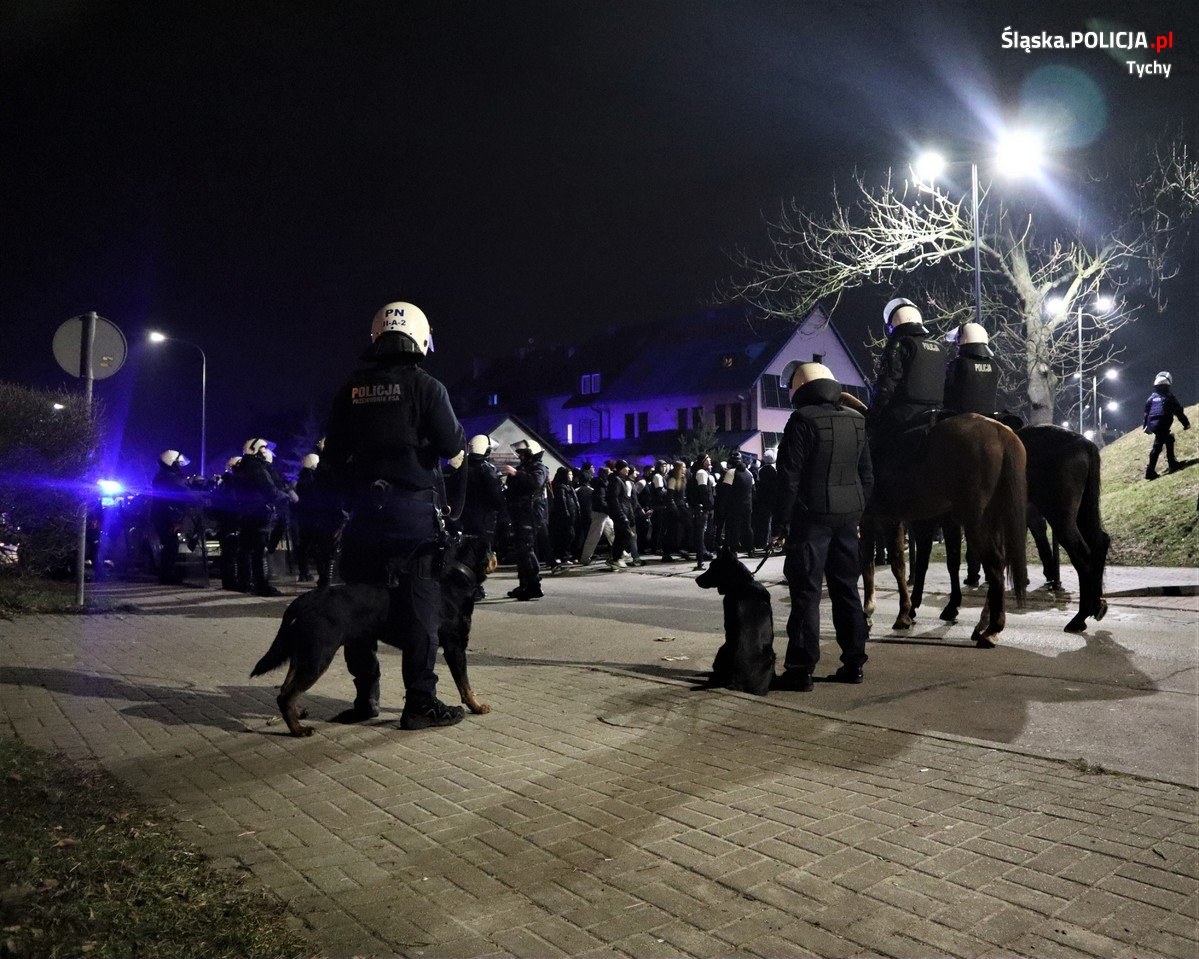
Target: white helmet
{"points": [[232, 462], [796, 373], [973, 333], [481, 445], [267, 454], [173, 458], [907, 311], [770, 455], [531, 446], [407, 320], [1163, 379], [253, 447], [310, 461]]}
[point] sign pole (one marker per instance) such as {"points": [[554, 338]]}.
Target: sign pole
{"points": [[87, 341]]}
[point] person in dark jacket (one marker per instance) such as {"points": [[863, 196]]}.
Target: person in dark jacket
{"points": [[972, 377], [909, 383], [168, 508], [734, 505], [484, 496], [226, 516], [564, 515], [825, 479], [601, 523], [701, 500], [305, 515], [390, 426], [527, 505], [624, 520], [1160, 411], [764, 491], [584, 494], [261, 496]]}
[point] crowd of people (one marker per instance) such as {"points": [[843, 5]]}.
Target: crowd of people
{"points": [[395, 474]]}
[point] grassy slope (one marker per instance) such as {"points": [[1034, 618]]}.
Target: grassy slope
{"points": [[1152, 523]]}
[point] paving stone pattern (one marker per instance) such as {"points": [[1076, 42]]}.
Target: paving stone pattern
{"points": [[598, 813]]}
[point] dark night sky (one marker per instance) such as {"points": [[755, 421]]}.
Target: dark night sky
{"points": [[258, 178]]}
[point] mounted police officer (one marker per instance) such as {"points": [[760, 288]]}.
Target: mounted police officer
{"points": [[528, 506], [825, 479], [972, 377], [1160, 410], [909, 383], [390, 425]]}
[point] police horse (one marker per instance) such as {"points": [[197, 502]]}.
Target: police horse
{"points": [[1063, 491], [971, 469]]}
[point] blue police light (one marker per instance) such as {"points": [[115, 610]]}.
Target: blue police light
{"points": [[110, 487]]}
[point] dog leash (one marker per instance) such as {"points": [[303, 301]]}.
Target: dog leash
{"points": [[769, 551]]}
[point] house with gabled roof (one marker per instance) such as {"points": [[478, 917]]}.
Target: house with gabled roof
{"points": [[630, 393]]}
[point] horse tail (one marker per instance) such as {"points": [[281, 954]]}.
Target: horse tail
{"points": [[1012, 507], [1090, 523]]}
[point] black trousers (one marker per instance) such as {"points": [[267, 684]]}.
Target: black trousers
{"points": [[391, 538], [524, 544], [1163, 440], [816, 553]]}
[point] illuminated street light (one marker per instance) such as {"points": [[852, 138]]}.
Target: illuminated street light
{"points": [[157, 337], [58, 406], [1018, 154]]}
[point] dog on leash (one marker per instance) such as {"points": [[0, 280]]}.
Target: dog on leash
{"points": [[320, 622], [746, 660]]}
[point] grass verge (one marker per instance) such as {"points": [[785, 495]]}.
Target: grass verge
{"points": [[86, 869], [33, 594]]}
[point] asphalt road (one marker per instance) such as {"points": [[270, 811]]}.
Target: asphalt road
{"points": [[1124, 695]]}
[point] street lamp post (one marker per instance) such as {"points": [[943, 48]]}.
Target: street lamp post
{"points": [[156, 337], [1017, 153]]}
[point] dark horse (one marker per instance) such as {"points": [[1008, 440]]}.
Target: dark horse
{"points": [[971, 469], [1063, 491]]}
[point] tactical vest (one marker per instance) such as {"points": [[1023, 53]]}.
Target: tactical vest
{"points": [[384, 421], [830, 491], [924, 378], [975, 382]]}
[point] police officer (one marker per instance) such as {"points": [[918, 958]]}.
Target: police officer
{"points": [[168, 507], [527, 504], [484, 495], [734, 505], [390, 425], [972, 377], [1160, 410], [227, 518], [909, 382], [262, 496], [825, 479]]}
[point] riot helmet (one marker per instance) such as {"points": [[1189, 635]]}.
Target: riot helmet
{"points": [[1163, 379], [973, 333], [173, 458], [481, 445], [406, 320], [899, 311], [310, 462]]}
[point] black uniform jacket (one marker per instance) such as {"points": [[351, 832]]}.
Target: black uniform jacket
{"points": [[971, 380], [1160, 410], [824, 470], [392, 421], [911, 374]]}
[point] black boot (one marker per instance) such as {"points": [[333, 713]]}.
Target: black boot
{"points": [[366, 702], [262, 586]]}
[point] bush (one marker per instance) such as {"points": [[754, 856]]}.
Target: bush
{"points": [[45, 455]]}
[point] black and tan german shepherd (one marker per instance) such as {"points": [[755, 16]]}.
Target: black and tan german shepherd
{"points": [[319, 623]]}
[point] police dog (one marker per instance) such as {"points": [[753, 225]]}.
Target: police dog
{"points": [[322, 621], [746, 660]]}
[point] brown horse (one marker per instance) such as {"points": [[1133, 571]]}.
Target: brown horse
{"points": [[1063, 490], [971, 469]]}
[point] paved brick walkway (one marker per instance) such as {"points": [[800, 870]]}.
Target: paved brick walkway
{"points": [[600, 813]]}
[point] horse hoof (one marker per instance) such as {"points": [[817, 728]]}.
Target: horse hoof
{"points": [[1101, 611], [1077, 625], [950, 614], [901, 625], [981, 640]]}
